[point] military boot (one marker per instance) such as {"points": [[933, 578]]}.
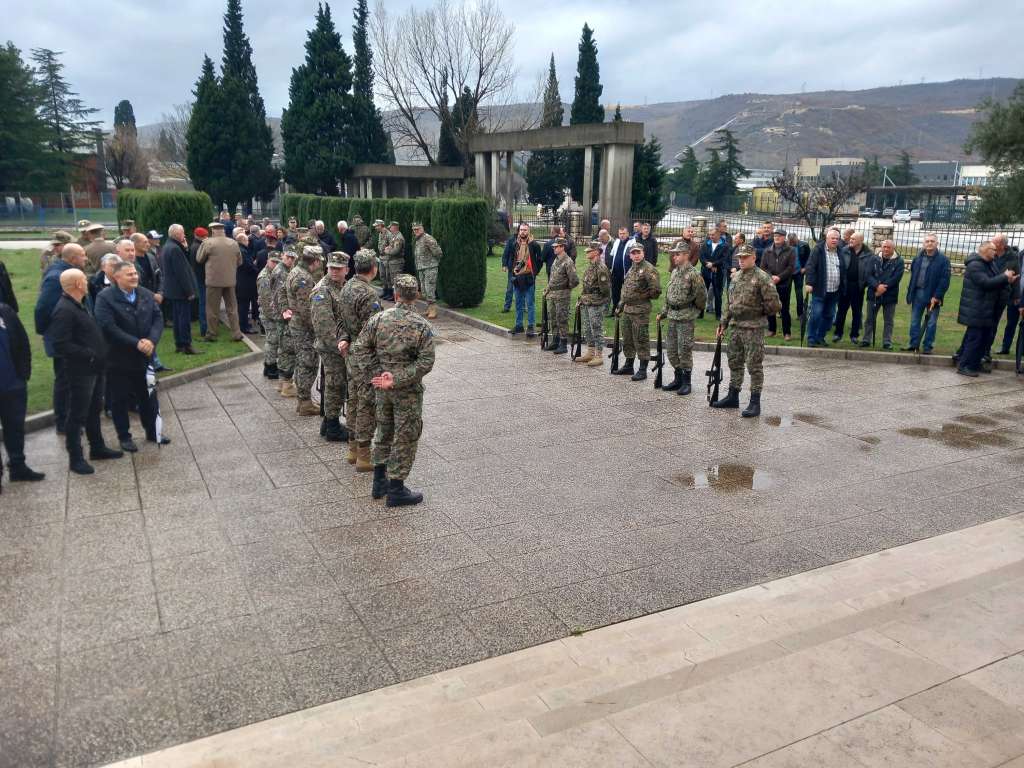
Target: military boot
{"points": [[431, 312], [732, 400], [597, 361], [266, 370], [335, 432], [350, 457], [641, 372], [626, 369], [363, 463], [684, 385], [754, 406], [675, 383], [552, 344], [400, 496], [306, 408], [380, 481], [561, 349], [78, 464], [288, 389], [272, 373], [586, 357]]}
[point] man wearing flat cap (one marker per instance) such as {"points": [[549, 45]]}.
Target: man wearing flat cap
{"points": [[325, 316], [685, 298], [299, 287], [51, 255], [779, 261], [222, 257], [640, 286]]}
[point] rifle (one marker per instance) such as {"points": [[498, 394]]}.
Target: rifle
{"points": [[658, 358], [874, 319], [544, 330], [803, 319], [1020, 346], [715, 373], [577, 333], [320, 389], [616, 347]]}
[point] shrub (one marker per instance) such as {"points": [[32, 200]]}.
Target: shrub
{"points": [[128, 205], [359, 206], [378, 210], [289, 207], [158, 210], [422, 212], [460, 226], [403, 210], [314, 207], [333, 210]]}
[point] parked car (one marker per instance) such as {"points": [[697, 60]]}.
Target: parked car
{"points": [[901, 216], [869, 213], [888, 212], [917, 215]]}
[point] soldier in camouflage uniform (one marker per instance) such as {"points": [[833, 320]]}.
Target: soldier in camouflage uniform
{"points": [[359, 302], [394, 252], [397, 348], [380, 239], [271, 317], [685, 297], [279, 301], [640, 285], [427, 254], [597, 291], [752, 300], [325, 312], [299, 286], [360, 229], [51, 255], [558, 295]]}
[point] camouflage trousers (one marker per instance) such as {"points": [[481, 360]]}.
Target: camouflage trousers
{"points": [[399, 424], [335, 384], [428, 284], [680, 344], [636, 336], [305, 361], [592, 319], [746, 348], [272, 342], [395, 268], [558, 315], [360, 412], [285, 349]]}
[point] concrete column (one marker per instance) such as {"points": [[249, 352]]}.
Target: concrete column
{"points": [[495, 174], [618, 162], [384, 187], [482, 161], [602, 192], [433, 188], [588, 188], [508, 184], [369, 188], [700, 227], [879, 234]]}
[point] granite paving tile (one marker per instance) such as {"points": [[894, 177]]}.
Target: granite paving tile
{"points": [[335, 671], [430, 646], [513, 624], [401, 603], [89, 625], [203, 601], [215, 645]]}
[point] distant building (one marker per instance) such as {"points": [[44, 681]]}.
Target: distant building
{"points": [[759, 177], [976, 175], [936, 173], [822, 168]]}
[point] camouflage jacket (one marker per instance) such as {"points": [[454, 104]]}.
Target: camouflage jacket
{"points": [[359, 302], [394, 248], [47, 259], [641, 284], [325, 314], [265, 294], [362, 233], [400, 341], [279, 290], [686, 294], [426, 252], [597, 285], [380, 241], [299, 285], [563, 278], [752, 300]]}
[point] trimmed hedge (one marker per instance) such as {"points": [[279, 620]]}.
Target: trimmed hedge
{"points": [[359, 206], [460, 227], [403, 211], [333, 210], [128, 205], [289, 207], [378, 210], [158, 210], [315, 207], [422, 212]]}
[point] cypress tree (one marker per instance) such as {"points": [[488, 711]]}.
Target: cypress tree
{"points": [[317, 148], [684, 179], [369, 139], [204, 157], [124, 117], [447, 145], [649, 181], [586, 105], [545, 171], [25, 162], [728, 149]]}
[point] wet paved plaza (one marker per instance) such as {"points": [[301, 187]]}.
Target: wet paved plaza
{"points": [[244, 572]]}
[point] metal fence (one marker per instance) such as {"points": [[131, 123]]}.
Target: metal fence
{"points": [[48, 210]]}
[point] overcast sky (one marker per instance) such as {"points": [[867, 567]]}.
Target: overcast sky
{"points": [[668, 50]]}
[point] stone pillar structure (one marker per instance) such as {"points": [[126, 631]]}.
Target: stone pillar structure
{"points": [[482, 163], [369, 188], [509, 205], [588, 189], [495, 174], [617, 191], [879, 234], [384, 187], [700, 227]]}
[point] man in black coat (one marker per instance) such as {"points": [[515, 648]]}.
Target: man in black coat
{"points": [[6, 289], [179, 287], [348, 243], [78, 340], [1007, 257], [825, 281], [245, 282], [199, 234], [857, 259], [15, 369], [883, 287], [131, 322], [982, 291]]}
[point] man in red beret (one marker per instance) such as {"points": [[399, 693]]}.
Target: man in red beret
{"points": [[199, 234]]}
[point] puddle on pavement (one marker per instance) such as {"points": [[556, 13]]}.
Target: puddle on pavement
{"points": [[955, 435], [870, 439], [457, 337], [779, 421], [811, 418], [728, 478], [978, 419]]}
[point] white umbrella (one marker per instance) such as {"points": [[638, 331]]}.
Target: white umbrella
{"points": [[158, 422]]}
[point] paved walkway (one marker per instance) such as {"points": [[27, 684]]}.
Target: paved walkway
{"points": [[909, 658], [243, 572]]}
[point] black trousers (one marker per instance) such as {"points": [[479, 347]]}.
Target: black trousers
{"points": [[717, 281], [85, 403], [127, 387], [1012, 319], [13, 405], [976, 342], [787, 320], [247, 306], [617, 290], [60, 392], [798, 289], [853, 300]]}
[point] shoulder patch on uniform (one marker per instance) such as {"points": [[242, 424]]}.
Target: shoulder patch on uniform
{"points": [[317, 297], [375, 305]]}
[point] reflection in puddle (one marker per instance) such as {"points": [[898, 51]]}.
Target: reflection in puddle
{"points": [[810, 418], [978, 419], [870, 439], [729, 478], [779, 421], [958, 436]]}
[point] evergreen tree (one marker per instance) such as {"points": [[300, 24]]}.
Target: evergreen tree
{"points": [[124, 117], [317, 147], [205, 157], [586, 106], [447, 145], [166, 149], [872, 171], [999, 138], [903, 174], [370, 142], [25, 162], [649, 180], [714, 183], [728, 149], [545, 171], [67, 119], [684, 180]]}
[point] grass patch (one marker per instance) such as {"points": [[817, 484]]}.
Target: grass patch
{"points": [[23, 265], [947, 338]]}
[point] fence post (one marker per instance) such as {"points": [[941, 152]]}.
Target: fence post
{"points": [[700, 227], [74, 208]]}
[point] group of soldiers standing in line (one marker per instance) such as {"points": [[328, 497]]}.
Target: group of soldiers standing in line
{"points": [[372, 360]]}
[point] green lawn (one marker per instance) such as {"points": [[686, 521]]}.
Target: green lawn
{"points": [[23, 266], [947, 340]]}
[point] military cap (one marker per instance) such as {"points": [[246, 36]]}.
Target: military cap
{"points": [[94, 227], [128, 223], [364, 259], [680, 247], [780, 232], [394, 224], [594, 245], [560, 241], [337, 259], [417, 225], [406, 285], [83, 225], [745, 250], [312, 252], [357, 219], [60, 237], [378, 222], [290, 252], [274, 255], [215, 225], [636, 247]]}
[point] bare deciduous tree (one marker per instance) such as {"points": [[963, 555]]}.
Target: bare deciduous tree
{"points": [[170, 148], [818, 201], [427, 58], [127, 163]]}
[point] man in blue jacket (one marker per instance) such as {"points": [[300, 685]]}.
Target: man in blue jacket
{"points": [[131, 322], [929, 281], [72, 257]]}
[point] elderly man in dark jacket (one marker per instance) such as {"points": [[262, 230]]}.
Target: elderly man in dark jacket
{"points": [[15, 370], [779, 262], [857, 259], [882, 279], [199, 234], [982, 292], [131, 322], [179, 283], [245, 282], [1007, 257], [929, 281], [825, 281], [78, 340]]}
